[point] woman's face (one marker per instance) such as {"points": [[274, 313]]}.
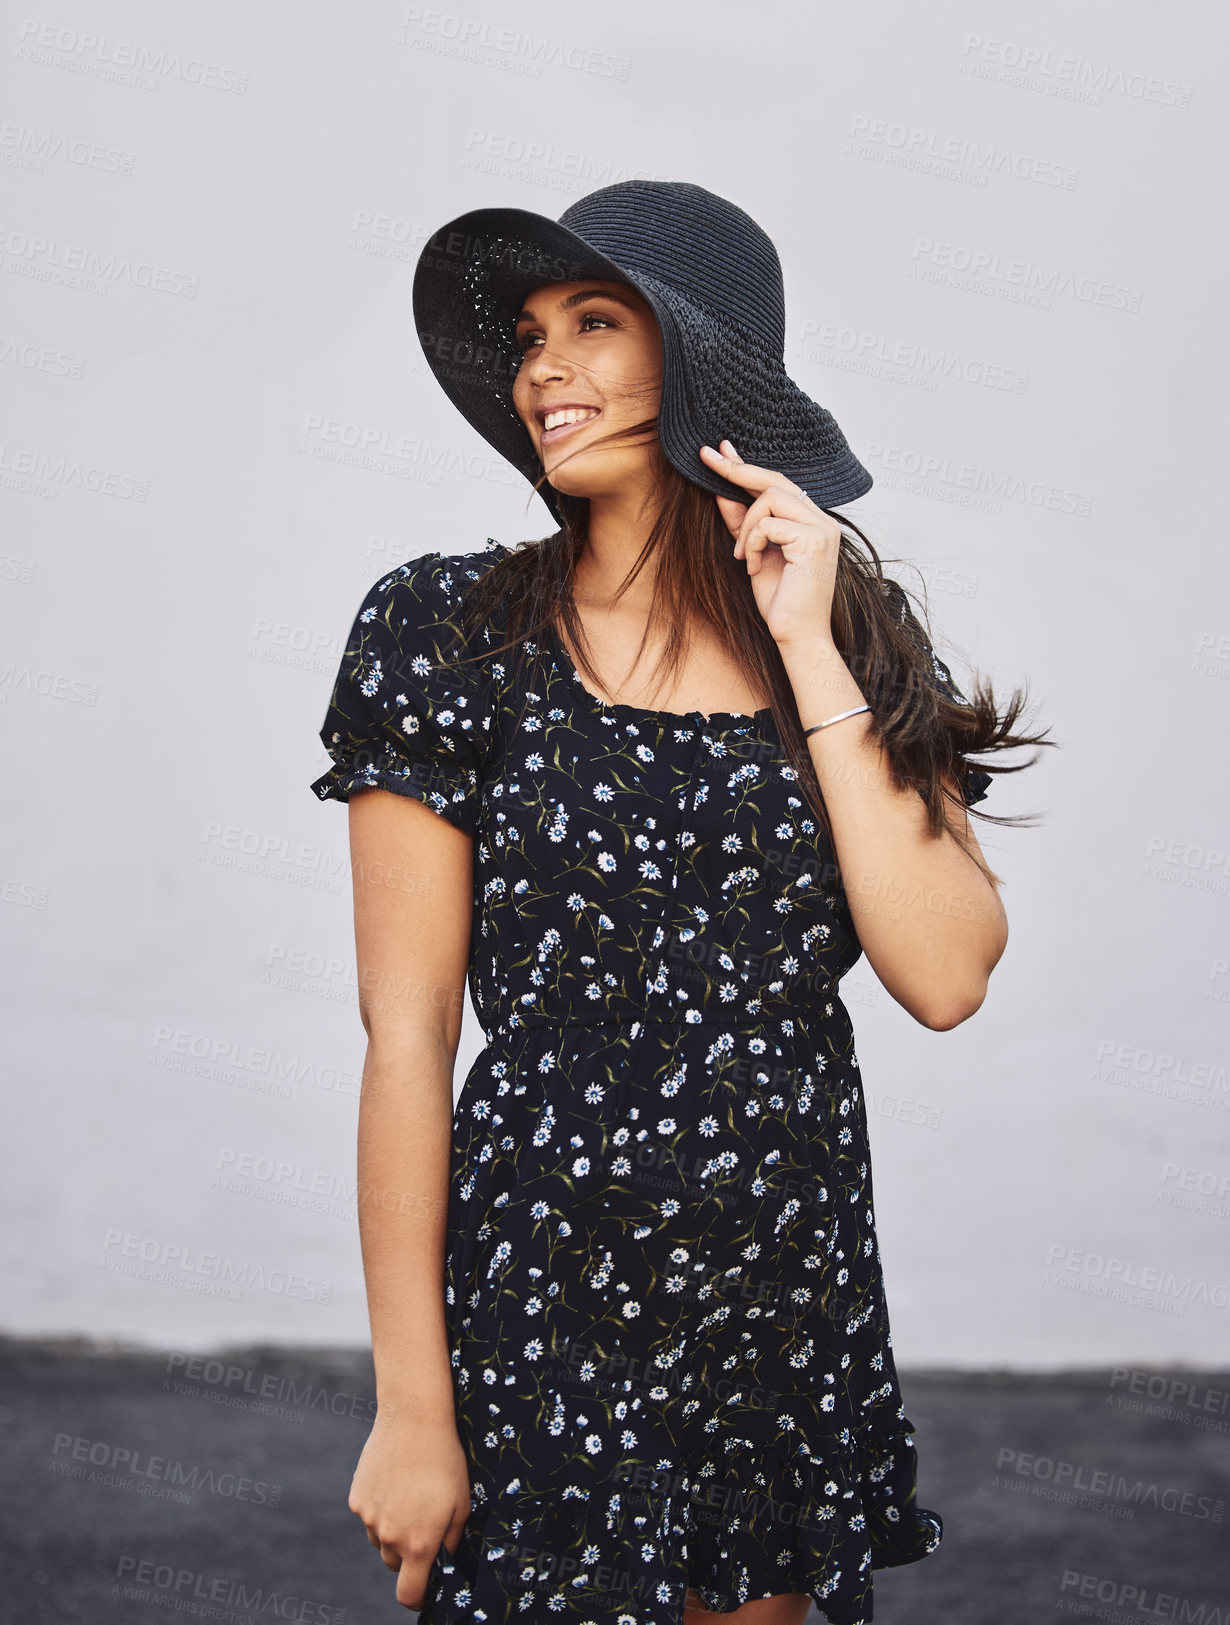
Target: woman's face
{"points": [[590, 350]]}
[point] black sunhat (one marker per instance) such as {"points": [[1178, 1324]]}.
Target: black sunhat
{"points": [[714, 282]]}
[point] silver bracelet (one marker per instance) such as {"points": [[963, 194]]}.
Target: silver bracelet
{"points": [[840, 717]]}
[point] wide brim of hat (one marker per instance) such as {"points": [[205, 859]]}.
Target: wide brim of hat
{"points": [[718, 380]]}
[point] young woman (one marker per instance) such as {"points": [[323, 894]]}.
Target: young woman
{"points": [[651, 785]]}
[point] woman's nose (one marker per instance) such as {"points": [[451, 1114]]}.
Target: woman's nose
{"points": [[542, 362]]}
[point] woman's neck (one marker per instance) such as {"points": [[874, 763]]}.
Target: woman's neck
{"points": [[615, 536]]}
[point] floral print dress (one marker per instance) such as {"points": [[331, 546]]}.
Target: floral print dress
{"points": [[670, 1346]]}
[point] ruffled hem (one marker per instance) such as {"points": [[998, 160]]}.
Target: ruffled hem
{"points": [[627, 1553]]}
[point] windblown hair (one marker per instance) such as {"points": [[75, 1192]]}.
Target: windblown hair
{"points": [[924, 735]]}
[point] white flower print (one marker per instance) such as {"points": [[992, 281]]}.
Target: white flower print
{"points": [[660, 1160]]}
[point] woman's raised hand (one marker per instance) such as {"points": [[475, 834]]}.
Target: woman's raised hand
{"points": [[791, 547]]}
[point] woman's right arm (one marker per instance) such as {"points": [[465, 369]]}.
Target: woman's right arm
{"points": [[413, 877]]}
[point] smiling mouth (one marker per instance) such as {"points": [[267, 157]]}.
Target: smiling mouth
{"points": [[548, 437]]}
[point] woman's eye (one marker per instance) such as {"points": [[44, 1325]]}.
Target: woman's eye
{"points": [[523, 341]]}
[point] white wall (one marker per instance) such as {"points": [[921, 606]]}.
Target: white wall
{"points": [[171, 639]]}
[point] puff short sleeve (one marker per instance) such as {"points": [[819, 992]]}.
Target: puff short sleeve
{"points": [[407, 714], [975, 782]]}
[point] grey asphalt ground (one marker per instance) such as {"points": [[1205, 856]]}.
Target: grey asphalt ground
{"points": [[1096, 1494]]}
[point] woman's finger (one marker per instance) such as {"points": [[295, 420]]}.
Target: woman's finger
{"points": [[733, 513], [777, 502], [772, 531], [751, 475]]}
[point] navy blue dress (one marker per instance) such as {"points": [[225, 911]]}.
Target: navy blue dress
{"points": [[670, 1346]]}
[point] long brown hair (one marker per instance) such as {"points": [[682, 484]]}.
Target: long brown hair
{"points": [[923, 733]]}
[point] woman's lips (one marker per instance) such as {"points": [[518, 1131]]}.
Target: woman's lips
{"points": [[550, 436]]}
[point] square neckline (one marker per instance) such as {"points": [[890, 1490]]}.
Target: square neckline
{"points": [[727, 721]]}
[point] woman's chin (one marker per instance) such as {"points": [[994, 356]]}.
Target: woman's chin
{"points": [[584, 477], [568, 485], [575, 482]]}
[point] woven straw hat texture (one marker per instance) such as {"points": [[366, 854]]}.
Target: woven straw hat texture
{"points": [[713, 279]]}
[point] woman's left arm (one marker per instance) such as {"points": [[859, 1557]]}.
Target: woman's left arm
{"points": [[930, 922]]}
